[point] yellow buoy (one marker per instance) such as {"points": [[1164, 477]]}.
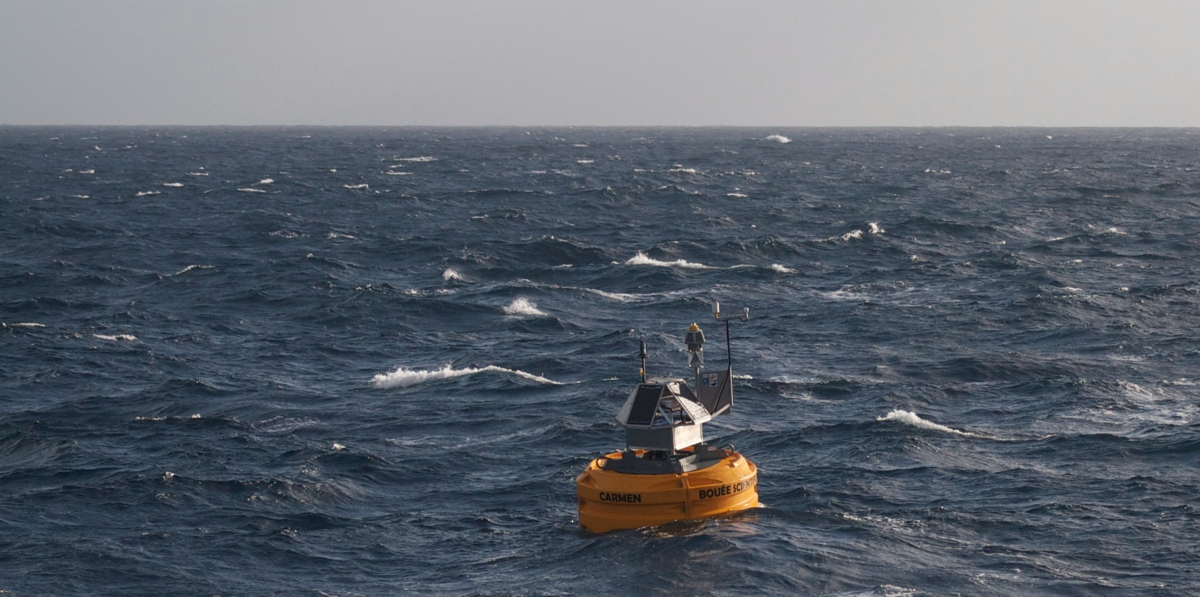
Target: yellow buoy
{"points": [[610, 500], [666, 472]]}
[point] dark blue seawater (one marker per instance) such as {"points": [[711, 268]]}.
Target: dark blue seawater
{"points": [[372, 361]]}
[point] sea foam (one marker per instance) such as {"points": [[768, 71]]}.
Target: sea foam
{"points": [[192, 267], [909, 418], [121, 337], [642, 259], [402, 377], [778, 139], [524, 307]]}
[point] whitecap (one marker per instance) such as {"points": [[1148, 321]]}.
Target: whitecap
{"points": [[145, 193], [742, 195], [391, 173], [173, 184], [89, 171], [80, 196], [778, 139], [681, 170], [423, 158], [523, 306], [781, 269], [451, 274], [402, 377], [874, 228], [642, 259], [909, 418], [197, 173], [585, 161], [250, 190], [192, 267], [615, 296], [853, 234], [266, 181], [122, 337], [337, 235], [357, 186], [26, 325]]}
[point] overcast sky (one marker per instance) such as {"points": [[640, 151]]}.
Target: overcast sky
{"points": [[645, 62]]}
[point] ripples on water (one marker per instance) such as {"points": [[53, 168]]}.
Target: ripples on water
{"points": [[372, 361]]}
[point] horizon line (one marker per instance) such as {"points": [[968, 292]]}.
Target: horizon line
{"points": [[615, 126]]}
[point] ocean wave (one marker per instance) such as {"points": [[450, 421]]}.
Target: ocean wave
{"points": [[145, 193], [452, 274], [781, 269], [192, 267], [357, 186], [423, 158], [266, 181], [250, 190], [116, 338], [28, 324], [402, 377], [642, 259], [173, 184], [523, 307], [778, 139], [909, 418]]}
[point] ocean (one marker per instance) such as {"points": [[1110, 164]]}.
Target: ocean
{"points": [[372, 361]]}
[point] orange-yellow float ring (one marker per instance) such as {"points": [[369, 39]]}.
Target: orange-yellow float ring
{"points": [[609, 500]]}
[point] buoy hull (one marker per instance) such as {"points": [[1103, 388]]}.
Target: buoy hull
{"points": [[610, 500]]}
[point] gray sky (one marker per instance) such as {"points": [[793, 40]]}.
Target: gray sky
{"points": [[611, 62]]}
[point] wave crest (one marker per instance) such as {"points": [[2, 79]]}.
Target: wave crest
{"points": [[523, 306], [909, 418], [643, 259], [402, 377]]}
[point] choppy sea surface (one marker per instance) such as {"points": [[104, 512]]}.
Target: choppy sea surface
{"points": [[371, 361]]}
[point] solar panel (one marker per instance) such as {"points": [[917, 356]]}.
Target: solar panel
{"points": [[644, 404]]}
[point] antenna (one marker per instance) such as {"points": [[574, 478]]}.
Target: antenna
{"points": [[745, 316]]}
